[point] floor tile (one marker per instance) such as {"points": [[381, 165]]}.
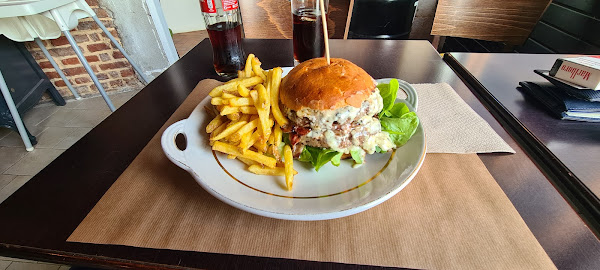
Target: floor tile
{"points": [[16, 260], [13, 186], [72, 138], [52, 136], [10, 156], [4, 264], [4, 180], [34, 162], [31, 266], [94, 103], [88, 118], [72, 103], [4, 131], [7, 260], [40, 113], [13, 138], [121, 98], [60, 118]]}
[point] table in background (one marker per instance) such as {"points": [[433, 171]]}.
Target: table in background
{"points": [[39, 217], [567, 151]]}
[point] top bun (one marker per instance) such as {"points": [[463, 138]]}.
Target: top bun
{"points": [[319, 86]]}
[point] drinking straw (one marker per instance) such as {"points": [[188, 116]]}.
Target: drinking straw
{"points": [[348, 19], [324, 18]]}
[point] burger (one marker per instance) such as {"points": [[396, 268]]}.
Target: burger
{"points": [[334, 110]]}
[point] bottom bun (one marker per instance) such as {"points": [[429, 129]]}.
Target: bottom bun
{"points": [[346, 156]]}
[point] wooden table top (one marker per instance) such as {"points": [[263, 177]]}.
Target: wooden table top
{"points": [[39, 217], [567, 150]]}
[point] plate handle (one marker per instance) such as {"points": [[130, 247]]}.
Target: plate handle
{"points": [[170, 147], [411, 94]]}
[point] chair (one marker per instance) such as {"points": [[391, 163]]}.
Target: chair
{"points": [[566, 27], [508, 21], [33, 20], [274, 19], [381, 19]]}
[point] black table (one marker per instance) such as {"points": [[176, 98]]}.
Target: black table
{"points": [[39, 217], [568, 151]]}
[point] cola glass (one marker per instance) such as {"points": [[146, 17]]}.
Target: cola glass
{"points": [[308, 38], [225, 29]]}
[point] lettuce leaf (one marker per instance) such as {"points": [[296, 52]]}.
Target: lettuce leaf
{"points": [[320, 156], [357, 155], [337, 159], [388, 92], [401, 128], [397, 110], [396, 118]]}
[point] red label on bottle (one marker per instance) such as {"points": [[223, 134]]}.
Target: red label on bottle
{"points": [[229, 4], [208, 6]]}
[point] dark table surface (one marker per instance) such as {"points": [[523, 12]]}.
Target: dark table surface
{"points": [[571, 148], [40, 216]]}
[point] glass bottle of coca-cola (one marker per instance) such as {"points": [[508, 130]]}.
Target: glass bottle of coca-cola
{"points": [[224, 24]]}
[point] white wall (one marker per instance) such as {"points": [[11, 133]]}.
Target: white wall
{"points": [[183, 15], [138, 34]]}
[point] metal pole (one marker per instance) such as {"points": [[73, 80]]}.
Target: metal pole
{"points": [[63, 26], [60, 73], [89, 70], [114, 41], [15, 114]]}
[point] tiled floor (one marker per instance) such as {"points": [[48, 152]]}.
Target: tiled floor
{"points": [[56, 129], [184, 42], [18, 264]]}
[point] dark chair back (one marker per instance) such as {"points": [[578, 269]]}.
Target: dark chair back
{"points": [[567, 26], [273, 19]]}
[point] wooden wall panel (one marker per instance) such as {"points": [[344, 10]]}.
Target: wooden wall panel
{"points": [[508, 21], [273, 18]]}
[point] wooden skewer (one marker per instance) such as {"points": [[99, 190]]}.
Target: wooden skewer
{"points": [[348, 19], [325, 34]]}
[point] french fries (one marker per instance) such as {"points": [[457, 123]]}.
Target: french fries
{"points": [[214, 124], [249, 154], [231, 86], [257, 169], [248, 121], [288, 166], [275, 82]]}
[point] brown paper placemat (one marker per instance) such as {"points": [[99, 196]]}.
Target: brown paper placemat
{"points": [[453, 215]]}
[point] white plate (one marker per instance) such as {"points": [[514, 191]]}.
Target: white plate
{"points": [[332, 192]]}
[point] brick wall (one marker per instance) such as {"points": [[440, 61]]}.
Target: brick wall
{"points": [[110, 66]]}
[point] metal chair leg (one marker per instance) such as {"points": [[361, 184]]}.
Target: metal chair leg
{"points": [[114, 41], [60, 73], [15, 114], [89, 70], [63, 26]]}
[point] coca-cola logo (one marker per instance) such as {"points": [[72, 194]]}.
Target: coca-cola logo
{"points": [[208, 6], [229, 4]]}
